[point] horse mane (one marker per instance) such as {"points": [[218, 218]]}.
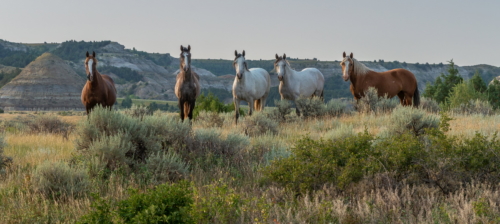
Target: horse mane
{"points": [[245, 63], [286, 61], [360, 68]]}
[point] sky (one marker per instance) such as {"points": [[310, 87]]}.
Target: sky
{"points": [[413, 31]]}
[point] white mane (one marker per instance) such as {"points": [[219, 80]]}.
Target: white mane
{"points": [[359, 68]]}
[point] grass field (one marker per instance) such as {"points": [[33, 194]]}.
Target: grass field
{"points": [[237, 195]]}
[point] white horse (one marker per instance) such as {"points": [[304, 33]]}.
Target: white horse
{"points": [[293, 84], [250, 85]]}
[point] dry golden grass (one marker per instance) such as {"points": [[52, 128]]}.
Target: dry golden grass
{"points": [[36, 148]]}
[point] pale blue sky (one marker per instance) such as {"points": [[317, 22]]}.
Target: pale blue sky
{"points": [[412, 31]]}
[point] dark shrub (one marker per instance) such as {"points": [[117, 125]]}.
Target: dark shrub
{"points": [[164, 204]]}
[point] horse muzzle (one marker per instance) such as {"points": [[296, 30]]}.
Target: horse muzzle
{"points": [[239, 75], [345, 77], [280, 77]]}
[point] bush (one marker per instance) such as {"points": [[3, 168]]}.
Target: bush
{"points": [[316, 163], [59, 180], [164, 204], [474, 107], [208, 142], [337, 107], [413, 120], [48, 123], [445, 162], [429, 105], [280, 111], [164, 167], [217, 203], [463, 93], [371, 102], [121, 141], [258, 124], [311, 107], [138, 111], [210, 119], [266, 148]]}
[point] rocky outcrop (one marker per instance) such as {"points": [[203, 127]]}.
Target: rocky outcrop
{"points": [[48, 83]]}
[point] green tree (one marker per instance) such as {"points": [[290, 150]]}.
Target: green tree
{"points": [[478, 82], [441, 89], [464, 92], [493, 93], [126, 103]]}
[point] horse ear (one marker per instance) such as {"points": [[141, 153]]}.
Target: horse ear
{"points": [[352, 56], [277, 56], [243, 53], [182, 48], [93, 54], [236, 53], [284, 56], [189, 47], [343, 55], [87, 54]]}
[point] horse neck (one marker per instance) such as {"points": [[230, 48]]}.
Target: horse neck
{"points": [[290, 76], [188, 75], [97, 80]]}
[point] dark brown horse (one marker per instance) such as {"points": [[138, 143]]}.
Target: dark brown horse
{"points": [[397, 82], [99, 89], [187, 88]]}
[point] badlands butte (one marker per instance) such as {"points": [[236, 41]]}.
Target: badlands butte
{"points": [[50, 76]]}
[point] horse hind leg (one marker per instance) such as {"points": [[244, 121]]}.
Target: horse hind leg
{"points": [[187, 109], [401, 96], [257, 105]]}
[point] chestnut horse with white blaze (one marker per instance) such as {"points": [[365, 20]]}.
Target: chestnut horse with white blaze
{"points": [[99, 89], [187, 87], [397, 82], [251, 85], [294, 84]]}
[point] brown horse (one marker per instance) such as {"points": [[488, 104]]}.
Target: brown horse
{"points": [[99, 89], [187, 88], [397, 82]]}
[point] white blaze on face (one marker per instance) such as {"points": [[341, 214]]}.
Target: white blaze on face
{"points": [[186, 62], [91, 65], [281, 69], [239, 65], [346, 69]]}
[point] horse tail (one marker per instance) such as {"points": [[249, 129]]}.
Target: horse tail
{"points": [[258, 104], [186, 109], [416, 97]]}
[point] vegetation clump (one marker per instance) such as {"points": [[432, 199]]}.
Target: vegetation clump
{"points": [[59, 180], [371, 102], [164, 204]]}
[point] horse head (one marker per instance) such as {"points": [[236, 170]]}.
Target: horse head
{"points": [[279, 66], [90, 66], [347, 66], [185, 58], [239, 63]]}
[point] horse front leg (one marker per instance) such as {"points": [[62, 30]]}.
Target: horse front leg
{"points": [[236, 109], [181, 107], [297, 111], [251, 105]]}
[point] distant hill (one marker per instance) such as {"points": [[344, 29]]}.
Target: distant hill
{"points": [[48, 83], [152, 75]]}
